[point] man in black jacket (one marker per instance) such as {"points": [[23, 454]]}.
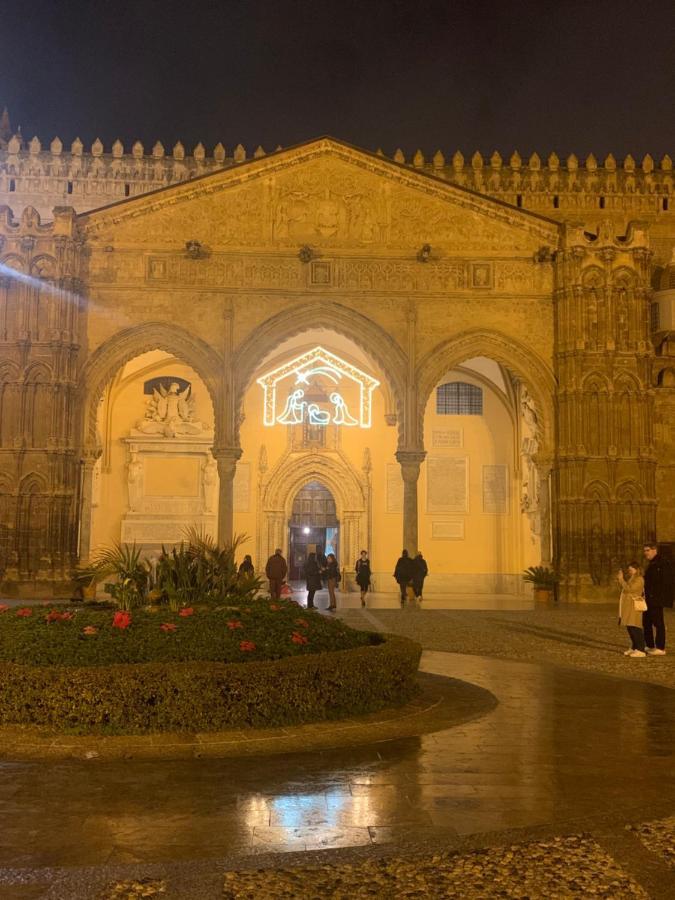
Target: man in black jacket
{"points": [[659, 592]]}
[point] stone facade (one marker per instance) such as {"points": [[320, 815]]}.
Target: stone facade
{"points": [[552, 270]]}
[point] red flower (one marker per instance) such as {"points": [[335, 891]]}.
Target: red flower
{"points": [[168, 626], [186, 611], [90, 629], [67, 616], [247, 645], [3, 607], [303, 623], [274, 606], [121, 620], [234, 624], [298, 638], [54, 616], [24, 612]]}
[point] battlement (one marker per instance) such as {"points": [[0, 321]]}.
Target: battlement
{"points": [[87, 179]]}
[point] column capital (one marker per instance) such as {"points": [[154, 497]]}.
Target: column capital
{"points": [[411, 458], [231, 454]]}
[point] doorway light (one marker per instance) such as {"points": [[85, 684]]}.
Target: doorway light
{"points": [[305, 530]]}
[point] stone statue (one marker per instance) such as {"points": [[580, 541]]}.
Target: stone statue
{"points": [[171, 412], [209, 473], [529, 447], [134, 481]]}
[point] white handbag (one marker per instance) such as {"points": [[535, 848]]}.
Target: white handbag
{"points": [[640, 605]]}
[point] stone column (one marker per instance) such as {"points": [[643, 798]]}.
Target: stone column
{"points": [[226, 460], [544, 473], [87, 463], [410, 461]]}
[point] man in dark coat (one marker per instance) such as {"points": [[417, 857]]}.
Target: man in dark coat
{"points": [[275, 570], [420, 572], [403, 574], [659, 593]]}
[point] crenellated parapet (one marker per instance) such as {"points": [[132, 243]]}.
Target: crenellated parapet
{"points": [[45, 177]]}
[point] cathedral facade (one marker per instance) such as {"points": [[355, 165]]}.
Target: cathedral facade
{"points": [[325, 348]]}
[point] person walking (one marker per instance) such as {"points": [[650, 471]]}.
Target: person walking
{"points": [[312, 579], [276, 570], [403, 574], [659, 592], [631, 605], [363, 574], [332, 576], [420, 572], [246, 569]]}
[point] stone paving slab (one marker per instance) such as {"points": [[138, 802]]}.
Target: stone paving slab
{"points": [[582, 636]]}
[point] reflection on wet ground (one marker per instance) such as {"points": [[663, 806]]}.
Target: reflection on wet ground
{"points": [[563, 747]]}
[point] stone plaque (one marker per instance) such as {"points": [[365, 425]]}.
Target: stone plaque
{"points": [[241, 489], [447, 489], [495, 490], [394, 488], [171, 477], [447, 438], [448, 531]]}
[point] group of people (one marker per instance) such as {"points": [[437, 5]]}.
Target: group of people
{"points": [[409, 572], [642, 601]]}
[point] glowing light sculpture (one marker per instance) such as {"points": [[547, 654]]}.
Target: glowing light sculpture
{"points": [[316, 363]]}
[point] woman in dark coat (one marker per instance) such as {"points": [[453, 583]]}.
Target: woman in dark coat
{"points": [[420, 572], [246, 568], [313, 579], [363, 575]]}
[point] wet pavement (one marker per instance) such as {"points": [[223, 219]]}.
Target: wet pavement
{"points": [[563, 750]]}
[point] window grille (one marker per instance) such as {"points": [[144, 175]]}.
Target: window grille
{"points": [[459, 399]]}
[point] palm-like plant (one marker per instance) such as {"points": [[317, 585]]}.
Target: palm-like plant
{"points": [[125, 563], [541, 577]]}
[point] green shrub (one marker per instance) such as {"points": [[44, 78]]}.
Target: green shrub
{"points": [[207, 696], [541, 577]]}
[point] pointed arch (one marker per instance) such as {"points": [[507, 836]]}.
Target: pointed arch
{"points": [[129, 343], [373, 339], [515, 356]]}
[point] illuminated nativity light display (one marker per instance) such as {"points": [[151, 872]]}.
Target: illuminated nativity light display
{"points": [[297, 376]]}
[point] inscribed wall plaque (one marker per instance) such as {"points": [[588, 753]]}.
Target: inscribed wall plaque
{"points": [[171, 477], [448, 531], [447, 489], [447, 438], [495, 490], [241, 489], [394, 488]]}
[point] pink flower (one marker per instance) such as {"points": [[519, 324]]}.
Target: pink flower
{"points": [[303, 623], [3, 607], [234, 624], [121, 620], [186, 611], [67, 616], [90, 629], [55, 616], [168, 626], [24, 612], [274, 606], [298, 638], [247, 645]]}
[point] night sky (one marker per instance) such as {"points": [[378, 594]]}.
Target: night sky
{"points": [[571, 76]]}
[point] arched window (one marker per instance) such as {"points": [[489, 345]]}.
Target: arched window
{"points": [[459, 399]]}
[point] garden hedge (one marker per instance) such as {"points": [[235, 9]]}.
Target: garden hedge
{"points": [[210, 696]]}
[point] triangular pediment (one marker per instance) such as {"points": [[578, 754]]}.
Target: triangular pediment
{"points": [[324, 194]]}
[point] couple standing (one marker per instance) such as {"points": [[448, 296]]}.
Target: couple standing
{"points": [[643, 600], [314, 575]]}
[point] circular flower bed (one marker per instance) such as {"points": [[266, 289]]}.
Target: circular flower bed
{"points": [[256, 663]]}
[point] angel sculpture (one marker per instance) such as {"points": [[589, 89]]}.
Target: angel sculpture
{"points": [[170, 412]]}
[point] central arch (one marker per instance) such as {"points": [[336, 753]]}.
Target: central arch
{"points": [[365, 333]]}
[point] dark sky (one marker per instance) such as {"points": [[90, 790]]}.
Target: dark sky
{"points": [[589, 75]]}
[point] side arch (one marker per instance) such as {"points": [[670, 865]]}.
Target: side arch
{"points": [[373, 339], [124, 346], [515, 356]]}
